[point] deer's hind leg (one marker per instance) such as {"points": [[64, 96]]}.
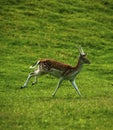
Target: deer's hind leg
{"points": [[35, 81], [36, 74]]}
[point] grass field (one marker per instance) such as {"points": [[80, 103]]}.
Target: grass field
{"points": [[35, 29]]}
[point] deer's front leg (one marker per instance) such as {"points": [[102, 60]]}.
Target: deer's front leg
{"points": [[59, 83], [75, 86]]}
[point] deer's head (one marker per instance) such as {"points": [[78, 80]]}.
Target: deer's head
{"points": [[83, 57]]}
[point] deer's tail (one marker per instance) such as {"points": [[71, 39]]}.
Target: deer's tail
{"points": [[34, 65]]}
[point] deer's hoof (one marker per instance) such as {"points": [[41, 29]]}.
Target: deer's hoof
{"points": [[21, 87], [33, 83]]}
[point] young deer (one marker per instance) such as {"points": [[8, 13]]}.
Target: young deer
{"points": [[59, 70]]}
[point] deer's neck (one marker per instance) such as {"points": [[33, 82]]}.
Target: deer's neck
{"points": [[79, 66], [75, 70]]}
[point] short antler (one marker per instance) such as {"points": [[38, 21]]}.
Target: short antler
{"points": [[80, 50]]}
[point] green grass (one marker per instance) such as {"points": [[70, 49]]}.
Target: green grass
{"points": [[31, 30]]}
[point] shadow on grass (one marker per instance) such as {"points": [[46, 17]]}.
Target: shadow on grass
{"points": [[58, 98]]}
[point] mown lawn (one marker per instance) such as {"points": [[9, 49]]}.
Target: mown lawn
{"points": [[32, 30]]}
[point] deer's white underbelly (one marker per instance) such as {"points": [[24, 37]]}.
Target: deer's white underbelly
{"points": [[59, 73], [55, 72]]}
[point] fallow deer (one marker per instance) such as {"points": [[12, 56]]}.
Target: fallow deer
{"points": [[59, 70]]}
